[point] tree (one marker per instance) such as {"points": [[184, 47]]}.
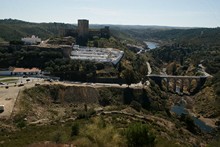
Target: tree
{"points": [[190, 125], [128, 75], [138, 135], [75, 129]]}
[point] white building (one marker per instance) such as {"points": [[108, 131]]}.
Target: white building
{"points": [[5, 72], [19, 71], [31, 40], [25, 71], [96, 54]]}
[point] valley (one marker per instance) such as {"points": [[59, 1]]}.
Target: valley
{"points": [[171, 90]]}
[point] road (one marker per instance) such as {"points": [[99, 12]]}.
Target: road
{"points": [[149, 70], [98, 85]]}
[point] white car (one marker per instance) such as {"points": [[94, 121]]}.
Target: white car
{"points": [[2, 108], [1, 83]]}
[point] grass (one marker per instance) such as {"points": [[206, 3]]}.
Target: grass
{"points": [[104, 130], [33, 134], [2, 40], [160, 142], [5, 77], [91, 132], [9, 80], [95, 131], [98, 133]]}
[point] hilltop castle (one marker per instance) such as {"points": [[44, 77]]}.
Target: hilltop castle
{"points": [[83, 33]]}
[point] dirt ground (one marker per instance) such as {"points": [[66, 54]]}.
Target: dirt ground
{"points": [[9, 95]]}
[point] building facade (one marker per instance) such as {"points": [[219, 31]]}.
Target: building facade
{"points": [[26, 71], [19, 71], [31, 40]]}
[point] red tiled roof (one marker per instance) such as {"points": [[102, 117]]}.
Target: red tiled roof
{"points": [[26, 69]]}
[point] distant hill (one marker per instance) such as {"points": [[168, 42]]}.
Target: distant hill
{"points": [[196, 36], [12, 29]]}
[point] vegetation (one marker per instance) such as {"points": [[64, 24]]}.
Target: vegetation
{"points": [[66, 115], [24, 56], [133, 117], [15, 29], [138, 135]]}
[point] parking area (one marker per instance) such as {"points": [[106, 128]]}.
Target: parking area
{"points": [[9, 91]]}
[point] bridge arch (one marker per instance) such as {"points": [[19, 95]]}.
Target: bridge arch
{"points": [[179, 84]]}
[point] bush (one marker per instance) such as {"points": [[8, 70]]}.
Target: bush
{"points": [[138, 135], [85, 114], [75, 129], [57, 137], [136, 106], [190, 125], [19, 120], [97, 133]]}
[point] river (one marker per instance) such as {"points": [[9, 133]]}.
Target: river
{"points": [[151, 45], [180, 109]]}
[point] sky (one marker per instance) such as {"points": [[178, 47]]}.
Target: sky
{"points": [[183, 13]]}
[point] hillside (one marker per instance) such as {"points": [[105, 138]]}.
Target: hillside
{"points": [[183, 52], [15, 29], [53, 110], [193, 36], [44, 108]]}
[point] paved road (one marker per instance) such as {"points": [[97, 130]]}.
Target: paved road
{"points": [[69, 83], [173, 76]]}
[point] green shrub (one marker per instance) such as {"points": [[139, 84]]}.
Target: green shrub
{"points": [[190, 125], [138, 135], [19, 120], [75, 129], [98, 134], [136, 106], [59, 136], [85, 114]]}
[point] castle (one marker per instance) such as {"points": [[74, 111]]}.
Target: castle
{"points": [[83, 33]]}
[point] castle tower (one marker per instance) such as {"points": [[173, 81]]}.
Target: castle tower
{"points": [[83, 28]]}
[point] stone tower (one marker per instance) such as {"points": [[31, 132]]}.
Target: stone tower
{"points": [[83, 28]]}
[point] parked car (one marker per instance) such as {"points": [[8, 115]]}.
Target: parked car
{"points": [[2, 108], [37, 84], [19, 85], [49, 80], [1, 83]]}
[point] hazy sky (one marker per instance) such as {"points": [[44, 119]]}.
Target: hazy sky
{"points": [[193, 13]]}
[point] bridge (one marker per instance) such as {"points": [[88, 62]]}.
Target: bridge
{"points": [[172, 82]]}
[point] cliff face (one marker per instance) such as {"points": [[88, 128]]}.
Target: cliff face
{"points": [[49, 101], [79, 95], [53, 102]]}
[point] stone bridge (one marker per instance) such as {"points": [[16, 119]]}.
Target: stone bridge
{"points": [[172, 83]]}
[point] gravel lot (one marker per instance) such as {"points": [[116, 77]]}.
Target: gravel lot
{"points": [[9, 95]]}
